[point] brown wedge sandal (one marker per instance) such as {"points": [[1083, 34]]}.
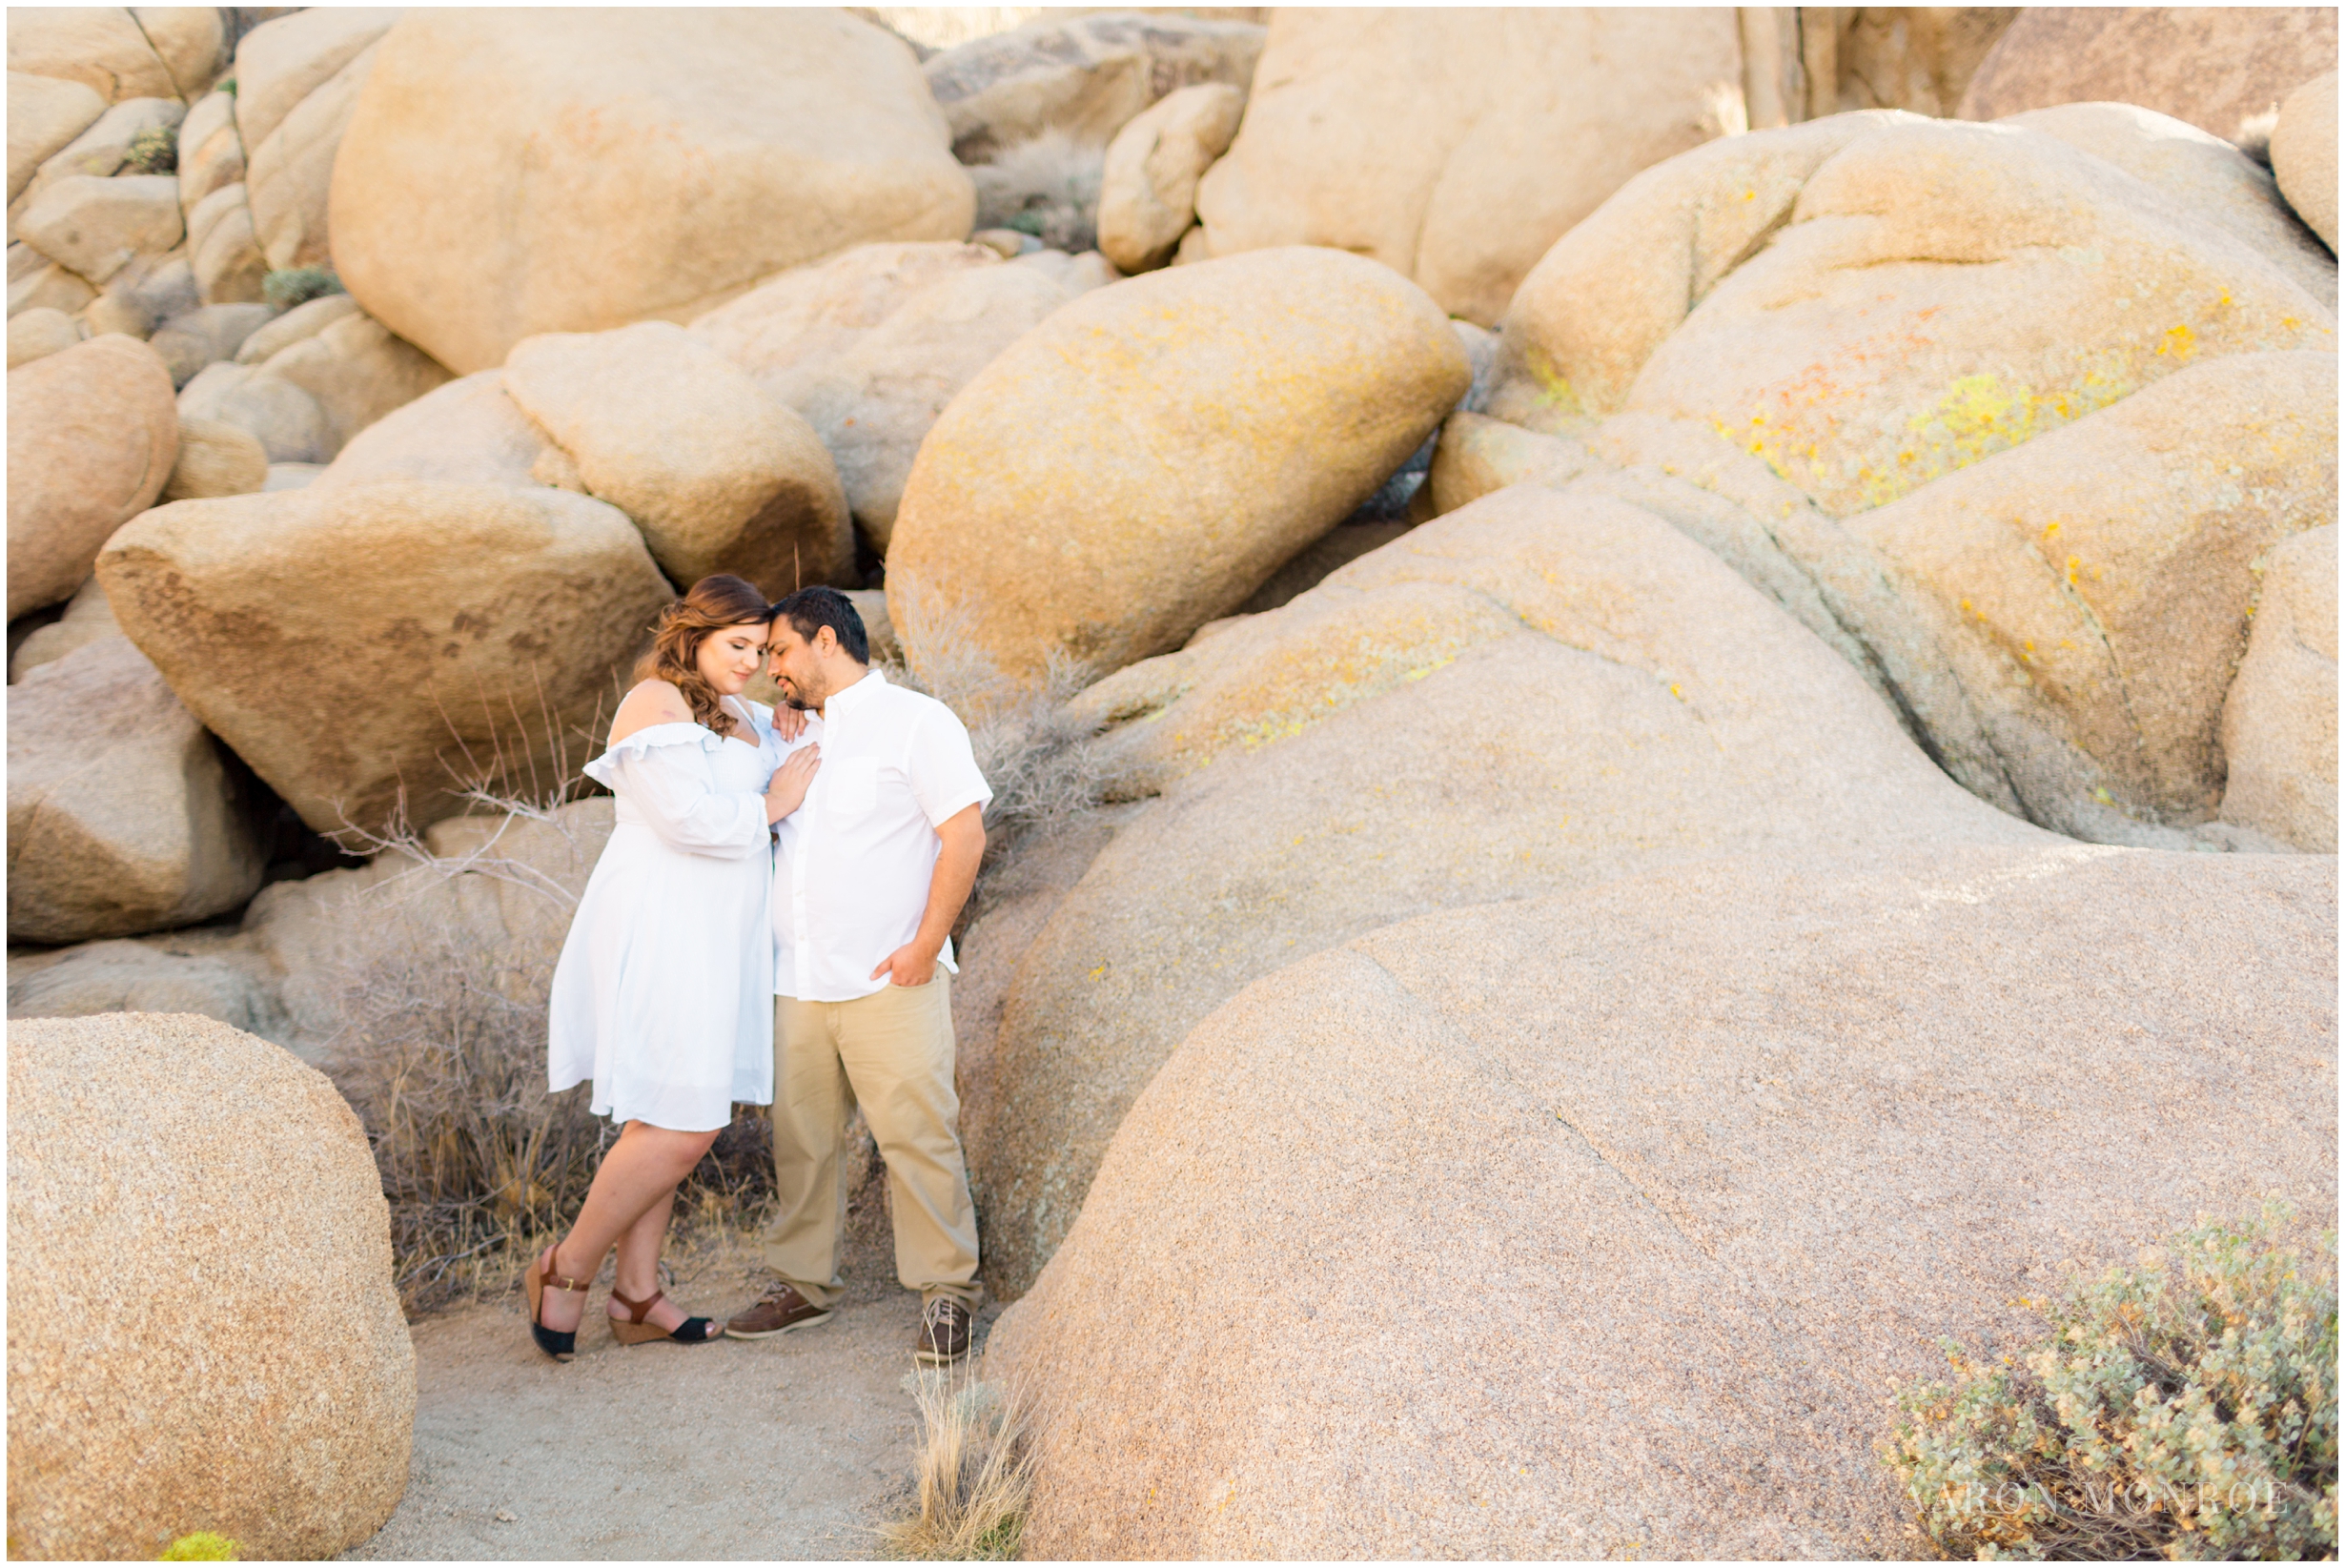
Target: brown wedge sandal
{"points": [[632, 1330], [560, 1345]]}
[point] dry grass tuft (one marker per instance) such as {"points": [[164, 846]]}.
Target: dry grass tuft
{"points": [[975, 1468]]}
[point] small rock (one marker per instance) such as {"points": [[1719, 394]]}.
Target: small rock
{"points": [[1005, 243], [86, 617], [36, 332], [291, 170], [2279, 722], [467, 432], [96, 225], [211, 152], [304, 320], [92, 440], [357, 371], [50, 287], [44, 114], [188, 39], [123, 817], [229, 266], [206, 335], [2304, 155], [284, 418], [1148, 197], [122, 976], [216, 458], [105, 147], [103, 48], [1084, 76]]}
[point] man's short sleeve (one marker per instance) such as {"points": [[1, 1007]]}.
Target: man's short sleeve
{"points": [[944, 771]]}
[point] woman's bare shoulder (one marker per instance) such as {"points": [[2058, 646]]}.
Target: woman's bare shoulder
{"points": [[652, 702]]}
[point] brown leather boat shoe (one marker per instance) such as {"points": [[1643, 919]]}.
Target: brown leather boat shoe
{"points": [[779, 1310], [943, 1332]]}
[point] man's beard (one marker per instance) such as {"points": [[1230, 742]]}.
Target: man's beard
{"points": [[796, 696]]}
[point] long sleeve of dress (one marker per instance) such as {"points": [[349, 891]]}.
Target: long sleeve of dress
{"points": [[662, 772]]}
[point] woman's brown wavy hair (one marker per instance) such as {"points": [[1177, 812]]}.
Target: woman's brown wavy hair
{"points": [[714, 603]]}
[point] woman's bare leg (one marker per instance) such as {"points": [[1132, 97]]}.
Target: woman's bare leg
{"points": [[637, 1274], [639, 1174]]}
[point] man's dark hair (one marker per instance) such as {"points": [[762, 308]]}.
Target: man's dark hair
{"points": [[810, 610]]}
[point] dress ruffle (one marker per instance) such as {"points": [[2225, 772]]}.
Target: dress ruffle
{"points": [[603, 768]]}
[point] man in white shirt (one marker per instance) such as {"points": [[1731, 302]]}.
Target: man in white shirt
{"points": [[869, 874]]}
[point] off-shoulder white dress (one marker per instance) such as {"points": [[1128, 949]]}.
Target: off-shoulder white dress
{"points": [[663, 994]]}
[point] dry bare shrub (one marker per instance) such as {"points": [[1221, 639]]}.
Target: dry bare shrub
{"points": [[441, 1045], [1047, 767], [975, 1469], [2183, 1409], [1047, 186]]}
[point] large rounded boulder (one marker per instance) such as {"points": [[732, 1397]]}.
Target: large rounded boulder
{"points": [[1141, 461], [1536, 694], [507, 173], [93, 435], [2093, 588], [720, 476], [2224, 68], [123, 815], [370, 651], [203, 1333], [1874, 300], [871, 345], [297, 79], [1560, 1227], [2280, 721], [1455, 146]]}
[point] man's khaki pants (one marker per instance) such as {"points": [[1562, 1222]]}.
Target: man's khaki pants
{"points": [[893, 1054]]}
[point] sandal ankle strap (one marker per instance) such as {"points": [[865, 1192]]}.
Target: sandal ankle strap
{"points": [[552, 1281], [637, 1310]]}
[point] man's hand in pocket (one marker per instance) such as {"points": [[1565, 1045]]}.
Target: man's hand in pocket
{"points": [[913, 964]]}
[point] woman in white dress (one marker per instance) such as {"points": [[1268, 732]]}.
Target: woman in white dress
{"points": [[664, 995]]}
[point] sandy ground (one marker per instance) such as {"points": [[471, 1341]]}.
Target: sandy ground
{"points": [[791, 1447]]}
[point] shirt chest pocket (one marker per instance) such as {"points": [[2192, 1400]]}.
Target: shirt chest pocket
{"points": [[854, 786]]}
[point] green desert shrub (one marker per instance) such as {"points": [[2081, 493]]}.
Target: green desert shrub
{"points": [[2185, 1408], [154, 151], [291, 286]]}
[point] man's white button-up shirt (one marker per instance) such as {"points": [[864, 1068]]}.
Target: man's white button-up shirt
{"points": [[852, 863]]}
